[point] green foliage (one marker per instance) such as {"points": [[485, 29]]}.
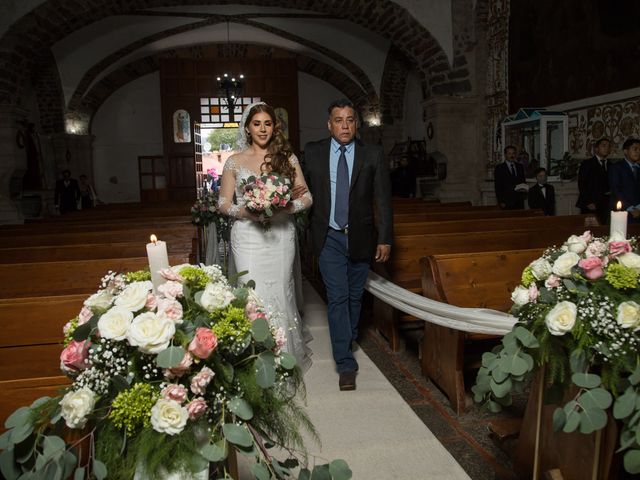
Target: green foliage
{"points": [[527, 277], [195, 278], [139, 276], [231, 325], [68, 331], [131, 409], [621, 277]]}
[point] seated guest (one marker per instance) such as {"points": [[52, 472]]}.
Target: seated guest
{"points": [[624, 180], [593, 182], [542, 195], [506, 176]]}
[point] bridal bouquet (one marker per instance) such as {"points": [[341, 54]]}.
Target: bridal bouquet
{"points": [[578, 309], [166, 382], [265, 194]]}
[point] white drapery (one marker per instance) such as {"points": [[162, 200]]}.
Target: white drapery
{"points": [[475, 320]]}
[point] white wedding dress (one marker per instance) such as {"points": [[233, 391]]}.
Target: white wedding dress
{"points": [[268, 255]]}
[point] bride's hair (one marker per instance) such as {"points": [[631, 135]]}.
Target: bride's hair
{"points": [[279, 150]]}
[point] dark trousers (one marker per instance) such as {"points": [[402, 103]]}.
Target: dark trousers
{"points": [[344, 280]]}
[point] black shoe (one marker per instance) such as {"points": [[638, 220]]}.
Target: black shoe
{"points": [[347, 381]]}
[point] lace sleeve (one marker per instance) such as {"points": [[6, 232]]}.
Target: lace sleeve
{"points": [[305, 201], [226, 206]]}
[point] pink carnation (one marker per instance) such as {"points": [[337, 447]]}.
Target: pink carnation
{"points": [[618, 248], [170, 289], [152, 302], [175, 392], [182, 368], [204, 343], [84, 316], [170, 308], [592, 267], [196, 408], [552, 281], [200, 381], [533, 292], [281, 339], [170, 274], [74, 357]]}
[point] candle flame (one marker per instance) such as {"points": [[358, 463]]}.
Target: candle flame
{"points": [[154, 239], [619, 205]]}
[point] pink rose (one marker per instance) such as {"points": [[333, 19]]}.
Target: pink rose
{"points": [[196, 408], [175, 392], [552, 281], [74, 357], [170, 274], [152, 302], [200, 381], [592, 267], [275, 201], [171, 309], [84, 316], [618, 248], [283, 202], [170, 289], [204, 342], [533, 292], [182, 368]]}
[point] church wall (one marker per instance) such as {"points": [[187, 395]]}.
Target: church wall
{"points": [[414, 125], [126, 126]]}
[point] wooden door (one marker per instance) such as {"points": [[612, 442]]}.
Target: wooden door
{"points": [[152, 178], [182, 181]]}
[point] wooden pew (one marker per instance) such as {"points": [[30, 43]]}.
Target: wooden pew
{"points": [[22, 280], [22, 392], [466, 214], [95, 225], [480, 279]]}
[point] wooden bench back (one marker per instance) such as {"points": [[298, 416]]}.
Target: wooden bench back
{"points": [[21, 280], [465, 214], [479, 279], [96, 225]]}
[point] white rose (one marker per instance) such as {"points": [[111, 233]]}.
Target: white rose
{"points": [[215, 297], [114, 324], [576, 244], [630, 260], [101, 300], [520, 295], [563, 264], [134, 296], [629, 315], [541, 268], [561, 318], [76, 405], [151, 333], [168, 416]]}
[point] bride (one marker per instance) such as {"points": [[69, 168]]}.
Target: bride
{"points": [[267, 255]]}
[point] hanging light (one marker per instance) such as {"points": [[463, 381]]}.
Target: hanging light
{"points": [[230, 86]]}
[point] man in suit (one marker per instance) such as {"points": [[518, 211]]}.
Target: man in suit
{"points": [[593, 182], [542, 195], [67, 193], [506, 176], [624, 180], [346, 177]]}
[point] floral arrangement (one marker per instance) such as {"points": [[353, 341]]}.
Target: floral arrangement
{"points": [[265, 194], [578, 310], [167, 381], [205, 210]]}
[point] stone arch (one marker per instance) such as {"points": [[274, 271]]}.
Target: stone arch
{"points": [[54, 19], [49, 96]]}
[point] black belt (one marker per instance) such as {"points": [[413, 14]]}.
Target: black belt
{"points": [[344, 230]]}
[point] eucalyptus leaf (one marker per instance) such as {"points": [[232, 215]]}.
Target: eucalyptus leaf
{"points": [[634, 378], [592, 419], [99, 469], [260, 471], [30, 476], [320, 472], [487, 359], [516, 365], [237, 434], [7, 466], [339, 470], [526, 337], [83, 331], [69, 462], [595, 398], [304, 474], [586, 380], [227, 371], [170, 357], [265, 373], [632, 461], [558, 419], [241, 408], [547, 296], [260, 330], [5, 440], [624, 405], [627, 438], [494, 407], [499, 375], [18, 418], [501, 389], [197, 297], [79, 474], [215, 452], [20, 433], [287, 361], [505, 401], [510, 343], [578, 361], [119, 383], [572, 417], [39, 401], [52, 471], [53, 447], [569, 285]]}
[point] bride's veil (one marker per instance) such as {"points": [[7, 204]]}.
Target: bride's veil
{"points": [[241, 137]]}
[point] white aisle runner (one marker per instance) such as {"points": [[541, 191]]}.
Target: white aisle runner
{"points": [[372, 428]]}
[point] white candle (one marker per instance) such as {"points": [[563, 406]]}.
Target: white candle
{"points": [[158, 260], [618, 222]]}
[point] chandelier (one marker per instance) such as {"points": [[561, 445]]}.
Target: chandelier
{"points": [[230, 86]]}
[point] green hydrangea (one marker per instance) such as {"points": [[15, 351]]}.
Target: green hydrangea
{"points": [[131, 409], [231, 325], [139, 276], [621, 277], [69, 329], [194, 277], [527, 277]]}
